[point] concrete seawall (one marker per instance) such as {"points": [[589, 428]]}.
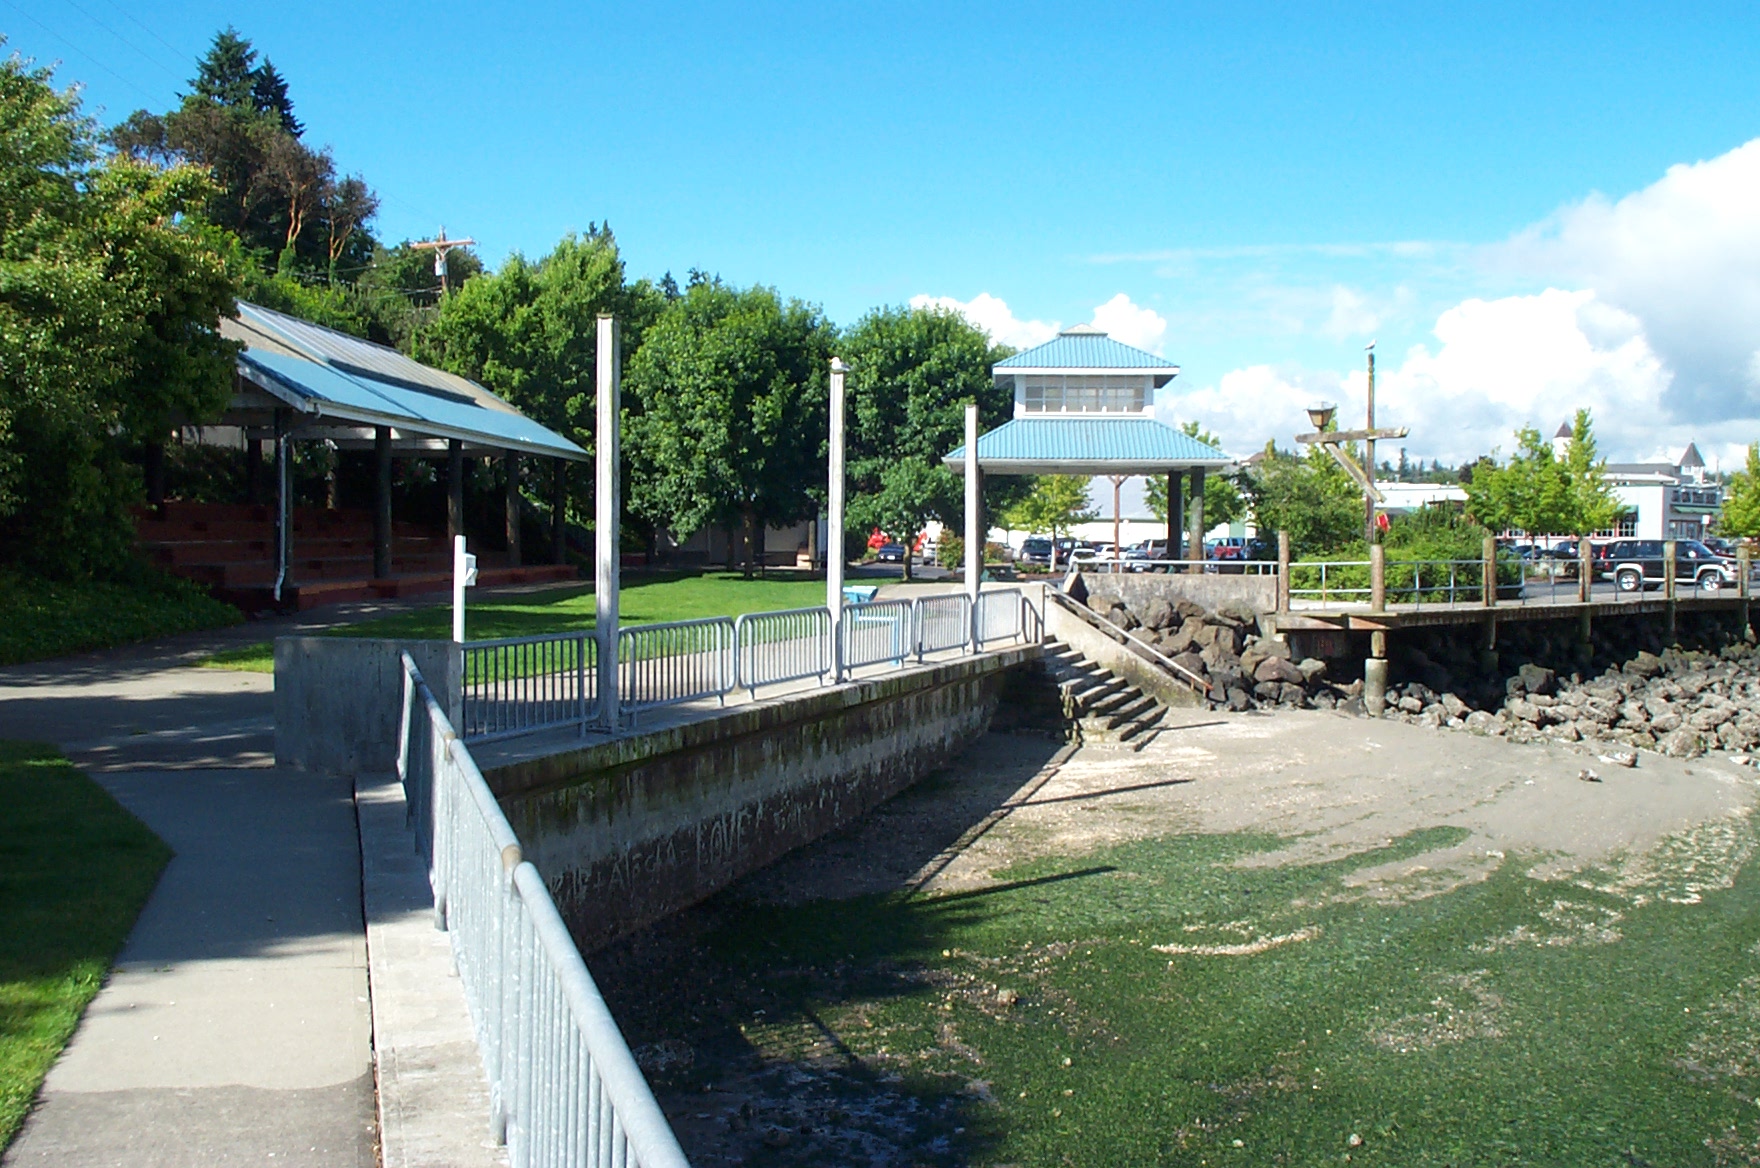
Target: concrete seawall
{"points": [[339, 700], [629, 830], [1212, 590]]}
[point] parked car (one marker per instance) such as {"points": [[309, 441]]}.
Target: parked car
{"points": [[890, 553], [1722, 547], [1637, 564], [1229, 547], [1141, 557]]}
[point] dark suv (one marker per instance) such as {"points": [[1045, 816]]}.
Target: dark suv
{"points": [[1636, 564]]}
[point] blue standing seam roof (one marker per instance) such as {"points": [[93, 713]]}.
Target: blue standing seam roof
{"points": [[1086, 351], [358, 393], [1089, 442]]}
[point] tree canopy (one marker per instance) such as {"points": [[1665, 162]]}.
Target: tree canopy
{"points": [[1538, 494], [111, 290], [912, 371], [1741, 507], [1053, 504], [727, 419]]}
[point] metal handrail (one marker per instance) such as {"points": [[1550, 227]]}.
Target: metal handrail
{"points": [[1102, 625], [564, 1087], [789, 645]]}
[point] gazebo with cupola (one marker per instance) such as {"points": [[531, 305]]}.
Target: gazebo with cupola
{"points": [[1081, 407]]}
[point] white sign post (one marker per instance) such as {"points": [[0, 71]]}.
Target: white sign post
{"points": [[464, 575], [834, 525]]}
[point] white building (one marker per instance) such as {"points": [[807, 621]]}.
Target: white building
{"points": [[1665, 500]]}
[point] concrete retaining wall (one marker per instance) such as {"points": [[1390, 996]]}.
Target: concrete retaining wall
{"points": [[337, 699], [630, 830], [1211, 591]]}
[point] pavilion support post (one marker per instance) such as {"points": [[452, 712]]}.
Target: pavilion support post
{"points": [[153, 470], [283, 503], [1197, 549], [834, 520], [1176, 514], [253, 467], [975, 522], [454, 488], [607, 510], [513, 557], [559, 512], [381, 502]]}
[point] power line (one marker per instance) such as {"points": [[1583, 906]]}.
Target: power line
{"points": [[142, 53], [177, 52], [81, 52]]}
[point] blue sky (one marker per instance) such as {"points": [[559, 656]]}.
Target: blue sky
{"points": [[1266, 190]]}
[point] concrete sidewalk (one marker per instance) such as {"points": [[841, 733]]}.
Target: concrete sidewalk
{"points": [[238, 1026], [235, 1028]]}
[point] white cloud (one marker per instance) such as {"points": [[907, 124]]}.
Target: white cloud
{"points": [[1652, 322], [993, 315], [1132, 324], [1683, 257]]}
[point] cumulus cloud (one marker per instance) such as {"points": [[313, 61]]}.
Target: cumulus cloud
{"points": [[1497, 365], [1683, 257], [993, 315], [1134, 325], [1651, 321], [1120, 317]]}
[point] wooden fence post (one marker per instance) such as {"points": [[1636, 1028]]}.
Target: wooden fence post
{"points": [[1283, 571], [1377, 577]]}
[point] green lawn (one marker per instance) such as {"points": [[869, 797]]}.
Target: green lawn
{"points": [[1153, 1004], [650, 600], [53, 618], [75, 869]]}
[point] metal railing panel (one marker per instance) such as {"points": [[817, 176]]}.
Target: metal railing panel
{"points": [[877, 631], [998, 617], [564, 1087], [943, 623], [519, 685], [679, 661], [790, 645]]}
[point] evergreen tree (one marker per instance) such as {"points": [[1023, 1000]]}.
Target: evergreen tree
{"points": [[269, 96], [227, 75]]}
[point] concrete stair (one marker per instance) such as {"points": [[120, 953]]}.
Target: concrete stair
{"points": [[1102, 706]]}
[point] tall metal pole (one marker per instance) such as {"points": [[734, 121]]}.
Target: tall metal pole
{"points": [[1369, 446], [607, 507], [974, 530], [834, 521]]}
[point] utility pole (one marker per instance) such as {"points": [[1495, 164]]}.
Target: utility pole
{"points": [[1371, 494], [440, 245]]}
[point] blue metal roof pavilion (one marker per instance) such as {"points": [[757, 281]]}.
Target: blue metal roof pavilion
{"points": [[1080, 408], [335, 385]]}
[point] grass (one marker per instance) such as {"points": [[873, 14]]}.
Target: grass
{"points": [[1508, 1021], [53, 618], [75, 869], [650, 600]]}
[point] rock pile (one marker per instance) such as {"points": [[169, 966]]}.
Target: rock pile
{"points": [[1679, 702], [1245, 670]]}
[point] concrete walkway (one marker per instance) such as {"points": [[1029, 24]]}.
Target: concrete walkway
{"points": [[236, 1028]]}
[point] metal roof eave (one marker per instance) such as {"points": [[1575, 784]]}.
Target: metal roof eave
{"points": [[1161, 373], [278, 387], [1094, 466]]}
